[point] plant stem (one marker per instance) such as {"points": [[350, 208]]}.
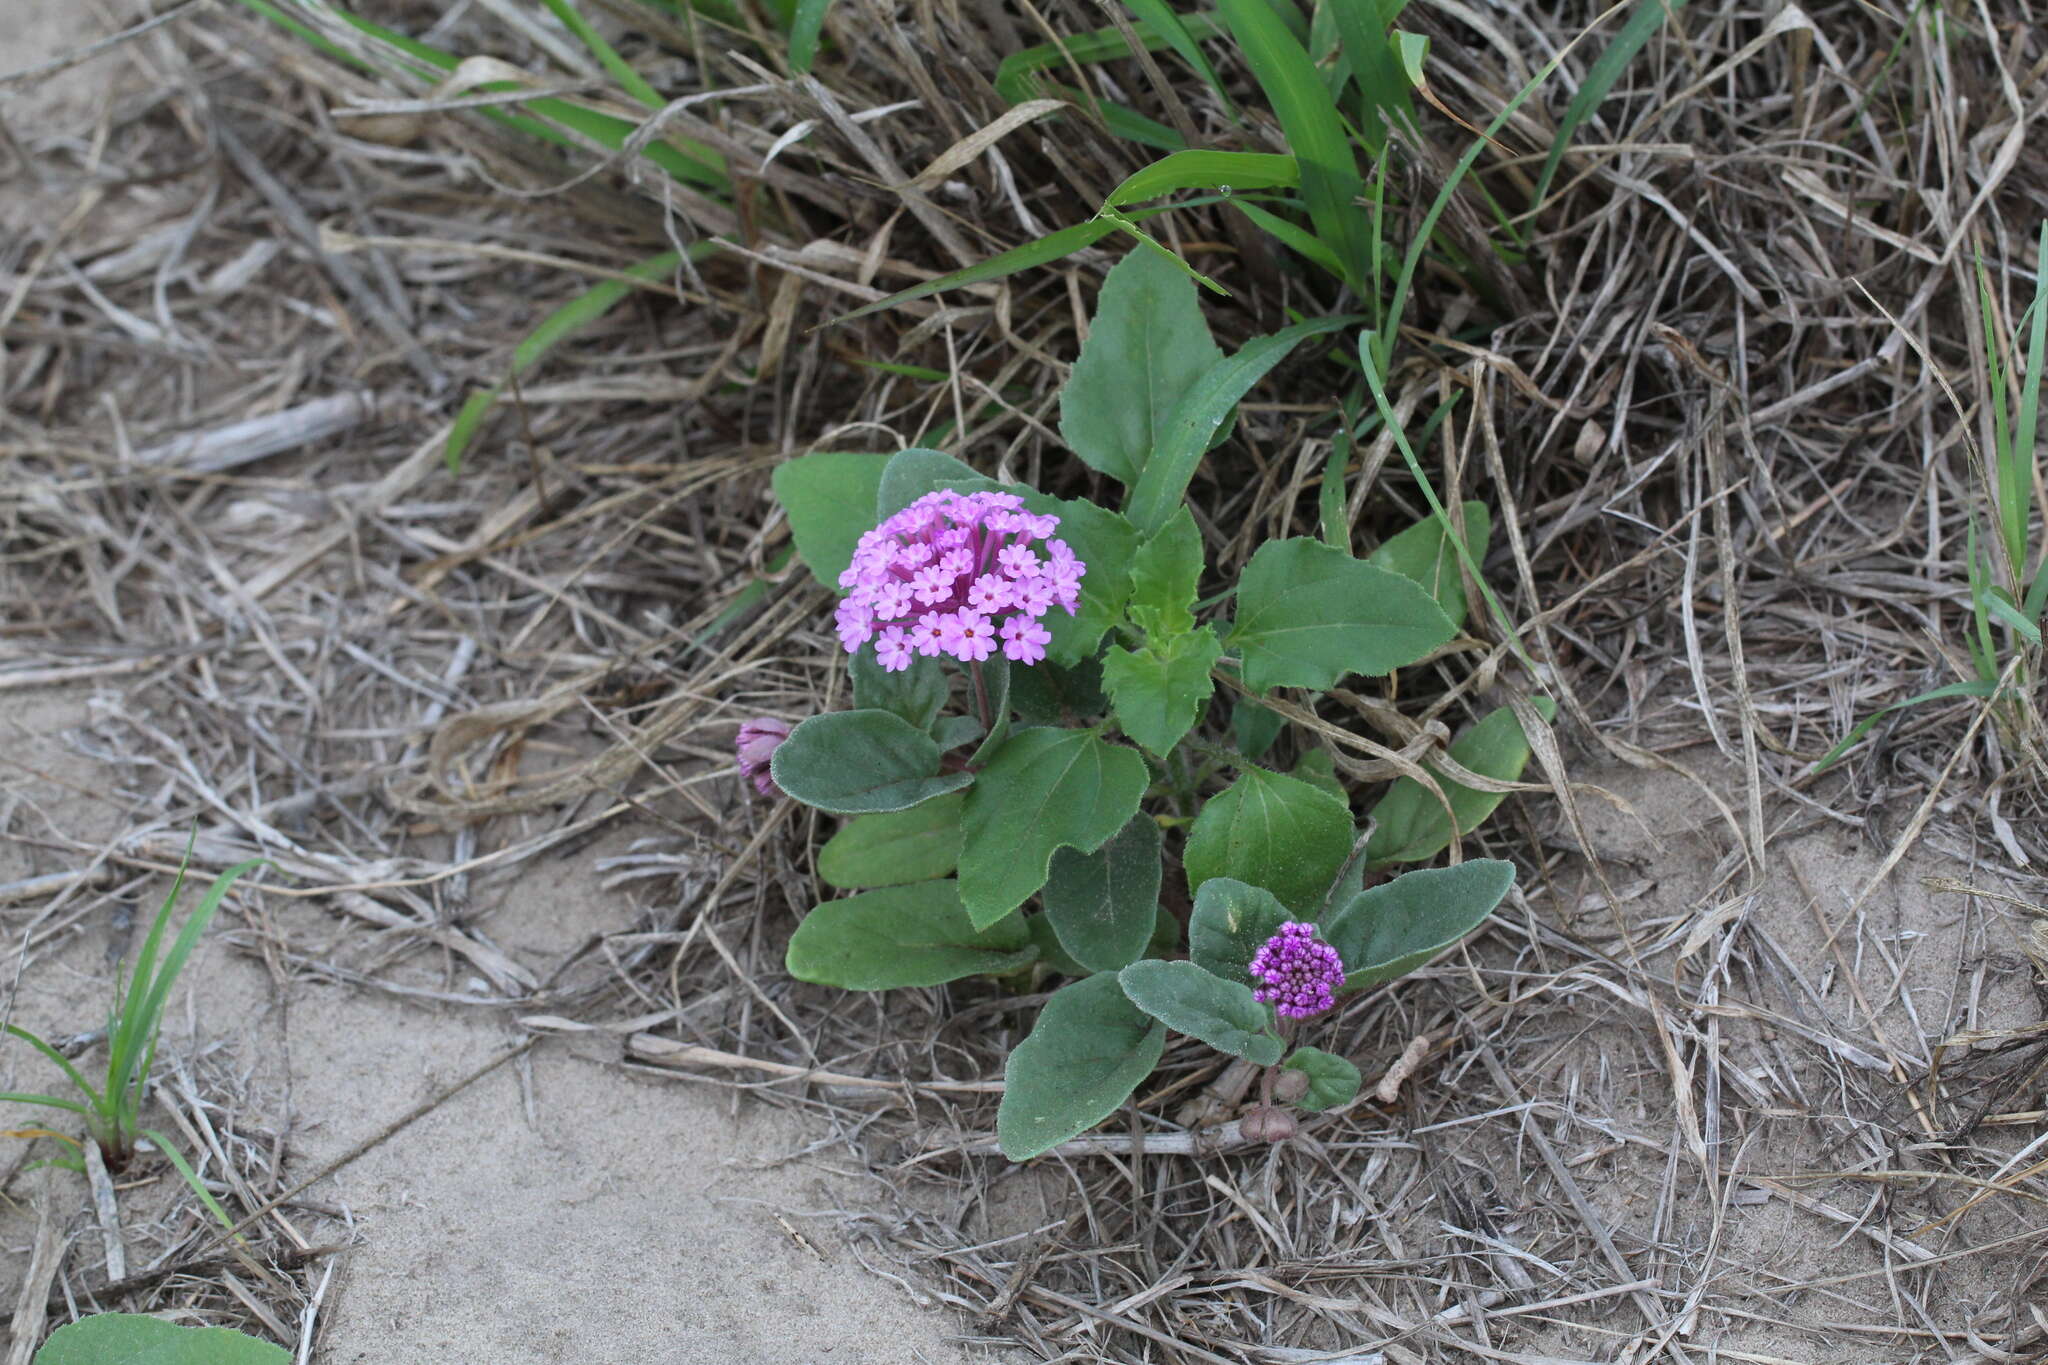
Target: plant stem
{"points": [[988, 724]]}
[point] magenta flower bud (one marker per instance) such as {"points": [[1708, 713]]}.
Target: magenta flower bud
{"points": [[1298, 973], [757, 742]]}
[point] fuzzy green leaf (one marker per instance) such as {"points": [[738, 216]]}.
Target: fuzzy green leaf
{"points": [[1410, 825], [1188, 1000], [1269, 830], [1230, 923], [1389, 930], [138, 1339], [1424, 555], [1161, 689], [1165, 572], [1307, 615], [1105, 905], [1044, 789], [861, 763], [914, 935], [917, 693], [1090, 1048], [901, 846], [1146, 347], [1331, 1080]]}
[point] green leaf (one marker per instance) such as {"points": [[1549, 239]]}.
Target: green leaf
{"points": [[1089, 1050], [1254, 727], [1331, 1080], [1389, 930], [1424, 555], [914, 935], [803, 34], [1377, 67], [1330, 183], [861, 763], [1188, 1000], [995, 683], [138, 1339], [1307, 615], [1281, 833], [829, 499], [952, 732], [1156, 16], [1317, 767], [1052, 955], [1045, 789], [1410, 825], [1184, 437], [1231, 922], [1044, 251], [1165, 572], [1049, 693], [910, 474], [1146, 347], [1206, 170], [1104, 905], [1161, 690], [917, 693], [901, 846], [1105, 542], [1643, 22]]}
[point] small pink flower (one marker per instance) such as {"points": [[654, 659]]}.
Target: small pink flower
{"points": [[989, 595], [924, 636], [950, 633], [1017, 561], [977, 638], [892, 600], [856, 623], [1035, 595], [755, 745], [1024, 640], [934, 584], [892, 650]]}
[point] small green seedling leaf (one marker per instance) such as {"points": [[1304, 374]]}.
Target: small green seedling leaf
{"points": [[1389, 930], [1230, 923], [1424, 555], [1043, 790], [829, 499], [914, 935], [1104, 905], [1160, 690], [1307, 615], [1165, 572], [1146, 347], [901, 846], [861, 763], [1089, 1050], [1331, 1080], [1274, 831], [1223, 1014], [1410, 825], [138, 1339]]}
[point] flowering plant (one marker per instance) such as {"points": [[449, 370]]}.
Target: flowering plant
{"points": [[1021, 764]]}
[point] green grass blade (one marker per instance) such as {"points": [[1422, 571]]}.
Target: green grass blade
{"points": [[1201, 411], [2003, 608], [619, 68], [1376, 66], [1044, 251], [1983, 651], [2001, 425], [804, 31], [1206, 170], [1330, 183], [177, 1158], [1158, 17], [1643, 23], [2017, 465], [556, 327], [1976, 687], [47, 1101], [1016, 78], [123, 1030], [71, 1073], [1297, 239]]}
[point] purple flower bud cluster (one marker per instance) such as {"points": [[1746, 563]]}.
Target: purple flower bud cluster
{"points": [[1300, 973], [954, 573], [755, 745]]}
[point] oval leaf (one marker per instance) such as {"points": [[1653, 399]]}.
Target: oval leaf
{"points": [[903, 936], [1409, 823], [1223, 1014], [1331, 1080], [902, 846], [829, 499], [1045, 789], [910, 474], [1424, 555], [1269, 830], [861, 762], [1104, 905], [1087, 1053], [1389, 930], [917, 693], [1231, 922], [137, 1339], [1307, 615]]}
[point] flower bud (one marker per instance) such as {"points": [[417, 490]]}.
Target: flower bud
{"points": [[1290, 1085], [757, 742], [1263, 1123]]}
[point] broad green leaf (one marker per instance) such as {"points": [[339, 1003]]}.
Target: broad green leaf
{"points": [[1410, 823], [1160, 690], [1088, 1051], [1207, 170], [910, 474], [951, 732], [1254, 728], [1231, 922], [1045, 789], [1052, 955], [1330, 183], [917, 693], [1104, 905], [1307, 615], [1165, 572], [861, 763], [1317, 767], [829, 499], [1147, 346], [1331, 1080], [900, 846], [1389, 930], [1105, 542], [1207, 1008], [1049, 693], [138, 1339], [1268, 830], [1206, 405], [995, 673], [914, 935], [1424, 555]]}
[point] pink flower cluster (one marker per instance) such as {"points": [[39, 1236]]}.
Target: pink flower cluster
{"points": [[954, 573], [1298, 973]]}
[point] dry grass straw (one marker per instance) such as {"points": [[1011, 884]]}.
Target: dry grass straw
{"points": [[1732, 502]]}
